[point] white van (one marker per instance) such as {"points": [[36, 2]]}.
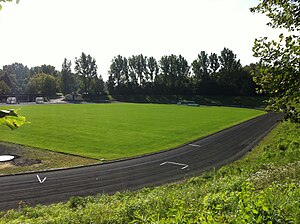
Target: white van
{"points": [[11, 100], [39, 100]]}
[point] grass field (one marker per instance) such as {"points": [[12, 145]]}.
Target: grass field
{"points": [[112, 131]]}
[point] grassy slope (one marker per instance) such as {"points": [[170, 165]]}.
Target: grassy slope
{"points": [[113, 131], [263, 187]]}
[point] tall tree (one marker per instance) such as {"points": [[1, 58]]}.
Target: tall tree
{"points": [[86, 67], [200, 67], [174, 71], [68, 83], [214, 64], [138, 66], [230, 70], [118, 79], [279, 73], [183, 69], [203, 69], [152, 68]]}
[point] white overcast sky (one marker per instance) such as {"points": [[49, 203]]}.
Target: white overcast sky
{"points": [[36, 32]]}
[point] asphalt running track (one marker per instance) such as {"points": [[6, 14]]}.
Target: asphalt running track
{"points": [[152, 170]]}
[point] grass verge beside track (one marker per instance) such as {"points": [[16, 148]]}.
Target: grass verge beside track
{"points": [[112, 131]]}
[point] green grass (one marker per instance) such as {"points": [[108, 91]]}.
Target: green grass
{"points": [[113, 131], [263, 187]]}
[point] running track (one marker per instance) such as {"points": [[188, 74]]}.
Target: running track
{"points": [[131, 174]]}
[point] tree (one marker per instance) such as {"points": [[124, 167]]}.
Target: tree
{"points": [[201, 72], [19, 73], [4, 88], [152, 68], [174, 74], [69, 82], [200, 67], [86, 67], [119, 76], [50, 70], [97, 86], [11, 81], [279, 74], [47, 69], [204, 69], [214, 64], [138, 67], [230, 70], [42, 84], [183, 69]]}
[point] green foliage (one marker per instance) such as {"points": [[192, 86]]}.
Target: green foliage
{"points": [[69, 81], [86, 68], [43, 84], [4, 88], [112, 131], [133, 75], [7, 1], [287, 145], [174, 76], [10, 80], [222, 75], [279, 73], [283, 14], [11, 119]]}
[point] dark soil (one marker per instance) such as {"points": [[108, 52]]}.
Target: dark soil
{"points": [[18, 152]]}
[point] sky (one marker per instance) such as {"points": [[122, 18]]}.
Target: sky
{"points": [[37, 32]]}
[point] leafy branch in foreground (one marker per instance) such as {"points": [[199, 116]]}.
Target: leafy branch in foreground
{"points": [[7, 1], [279, 74], [11, 119]]}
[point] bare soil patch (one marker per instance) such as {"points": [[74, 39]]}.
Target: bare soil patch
{"points": [[33, 159], [5, 165]]}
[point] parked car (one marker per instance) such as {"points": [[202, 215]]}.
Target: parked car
{"points": [[11, 100], [39, 100]]}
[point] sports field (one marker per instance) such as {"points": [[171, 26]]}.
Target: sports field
{"points": [[111, 131]]}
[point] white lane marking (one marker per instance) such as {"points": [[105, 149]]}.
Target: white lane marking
{"points": [[194, 145], [179, 164], [41, 181]]}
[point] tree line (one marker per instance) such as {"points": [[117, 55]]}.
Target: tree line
{"points": [[208, 74]]}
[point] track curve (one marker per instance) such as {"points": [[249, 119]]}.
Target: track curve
{"points": [[151, 170]]}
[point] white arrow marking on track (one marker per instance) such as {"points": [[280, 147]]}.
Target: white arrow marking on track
{"points": [[41, 181], [195, 145], [179, 164]]}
